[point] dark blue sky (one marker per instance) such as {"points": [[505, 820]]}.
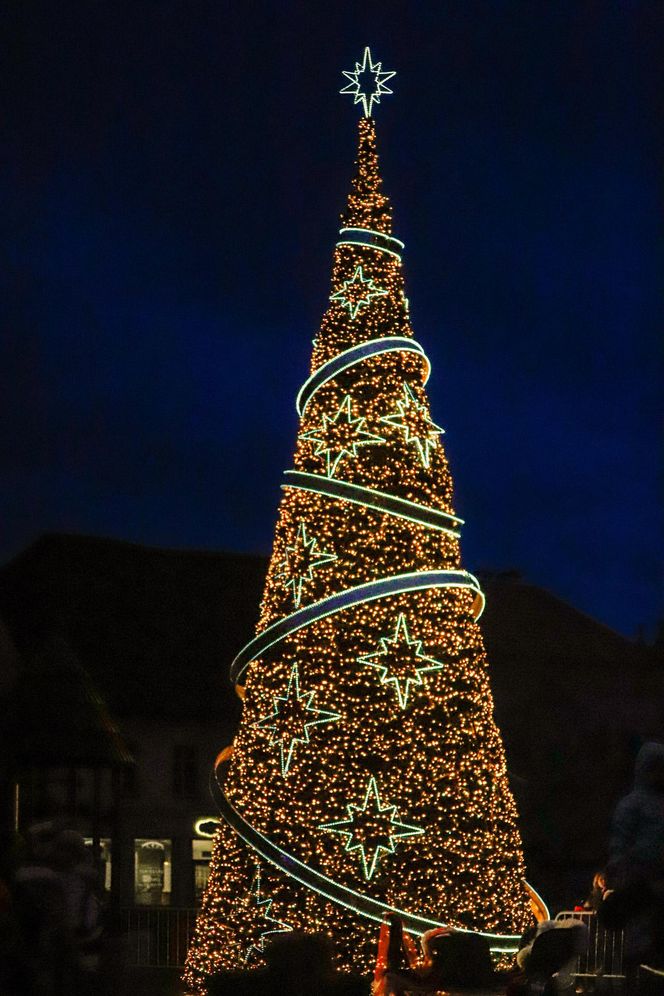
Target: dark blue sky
{"points": [[172, 175]]}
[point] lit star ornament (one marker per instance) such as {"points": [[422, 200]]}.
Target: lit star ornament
{"points": [[372, 829], [258, 911], [367, 82], [301, 561], [340, 435], [291, 718], [400, 661], [415, 422], [357, 292]]}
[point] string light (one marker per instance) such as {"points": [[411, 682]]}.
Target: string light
{"points": [[340, 435], [356, 293], [367, 82], [400, 661], [291, 717], [347, 598], [360, 903], [261, 907], [415, 423], [302, 559], [435, 518], [372, 829], [347, 359], [422, 751]]}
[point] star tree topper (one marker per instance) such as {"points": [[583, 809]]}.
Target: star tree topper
{"points": [[301, 561], [401, 661], [291, 718], [367, 82], [357, 292], [372, 829], [416, 424], [340, 435], [259, 912]]}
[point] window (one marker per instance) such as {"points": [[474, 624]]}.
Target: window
{"points": [[185, 771], [152, 872], [105, 849], [201, 852], [129, 786]]}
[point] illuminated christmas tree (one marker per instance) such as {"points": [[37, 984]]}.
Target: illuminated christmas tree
{"points": [[367, 773]]}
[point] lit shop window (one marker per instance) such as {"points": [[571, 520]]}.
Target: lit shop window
{"points": [[105, 854], [152, 872], [201, 852]]}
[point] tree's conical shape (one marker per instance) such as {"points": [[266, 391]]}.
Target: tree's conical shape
{"points": [[367, 772]]}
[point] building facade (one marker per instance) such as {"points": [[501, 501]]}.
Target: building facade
{"points": [[156, 631]]}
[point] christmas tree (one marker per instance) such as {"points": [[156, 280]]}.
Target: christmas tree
{"points": [[367, 773]]}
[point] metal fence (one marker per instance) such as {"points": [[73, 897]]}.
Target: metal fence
{"points": [[158, 937], [603, 957]]}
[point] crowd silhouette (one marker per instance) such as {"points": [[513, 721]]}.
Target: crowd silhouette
{"points": [[57, 935]]}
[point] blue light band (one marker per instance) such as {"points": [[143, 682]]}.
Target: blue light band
{"points": [[380, 500], [372, 239], [368, 592], [363, 905], [347, 359]]}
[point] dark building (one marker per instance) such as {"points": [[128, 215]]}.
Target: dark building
{"points": [[155, 631]]}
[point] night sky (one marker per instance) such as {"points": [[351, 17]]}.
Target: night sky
{"points": [[171, 176]]}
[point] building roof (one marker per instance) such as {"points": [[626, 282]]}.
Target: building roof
{"points": [[157, 629], [53, 716]]}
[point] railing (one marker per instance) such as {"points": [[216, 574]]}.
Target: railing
{"points": [[603, 956], [158, 937]]}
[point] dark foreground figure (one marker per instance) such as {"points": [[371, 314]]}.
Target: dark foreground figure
{"points": [[301, 965], [458, 961], [56, 936], [297, 965], [635, 874]]}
